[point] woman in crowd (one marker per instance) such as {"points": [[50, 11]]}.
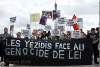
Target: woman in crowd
{"points": [[68, 36], [18, 35]]}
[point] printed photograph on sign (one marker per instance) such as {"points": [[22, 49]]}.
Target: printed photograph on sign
{"points": [[47, 13]]}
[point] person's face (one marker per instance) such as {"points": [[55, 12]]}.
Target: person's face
{"points": [[44, 32], [19, 35], [97, 30], [93, 31], [68, 33], [5, 30]]}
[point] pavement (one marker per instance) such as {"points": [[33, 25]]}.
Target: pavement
{"points": [[58, 66], [12, 65]]}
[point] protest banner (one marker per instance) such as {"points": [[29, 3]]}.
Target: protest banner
{"points": [[49, 52]]}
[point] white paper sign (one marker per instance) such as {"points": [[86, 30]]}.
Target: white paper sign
{"points": [[69, 22], [56, 32], [25, 33], [76, 34], [47, 27], [80, 22], [62, 20]]}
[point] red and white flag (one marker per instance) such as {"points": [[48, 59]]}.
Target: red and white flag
{"points": [[75, 24], [74, 18]]}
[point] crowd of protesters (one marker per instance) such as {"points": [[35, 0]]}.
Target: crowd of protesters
{"points": [[91, 34], [44, 35], [94, 35]]}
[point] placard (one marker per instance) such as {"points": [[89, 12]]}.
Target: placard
{"points": [[49, 52]]}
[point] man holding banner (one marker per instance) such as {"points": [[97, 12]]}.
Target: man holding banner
{"points": [[3, 37], [94, 38]]}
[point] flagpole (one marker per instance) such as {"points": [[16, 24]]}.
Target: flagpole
{"points": [[35, 25], [12, 20], [70, 28], [13, 30], [30, 26]]}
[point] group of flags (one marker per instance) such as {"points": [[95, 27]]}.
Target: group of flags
{"points": [[48, 14], [43, 19]]}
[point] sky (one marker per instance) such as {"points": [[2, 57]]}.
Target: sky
{"points": [[22, 9]]}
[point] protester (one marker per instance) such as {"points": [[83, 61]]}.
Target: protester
{"points": [[48, 35], [18, 35], [83, 35], [88, 34], [97, 41], [34, 36], [39, 35], [61, 35], [88, 31], [93, 36], [1, 48], [6, 34], [68, 35], [43, 35], [65, 36]]}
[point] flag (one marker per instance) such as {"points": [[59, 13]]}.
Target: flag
{"points": [[43, 20], [12, 19], [75, 26], [79, 19], [74, 17], [80, 22], [69, 22], [35, 17]]}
